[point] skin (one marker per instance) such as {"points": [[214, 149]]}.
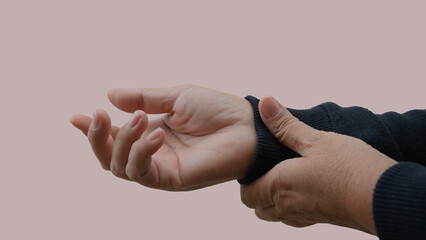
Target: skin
{"points": [[333, 182], [203, 137]]}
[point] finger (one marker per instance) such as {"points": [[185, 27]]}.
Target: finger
{"points": [[114, 131], [140, 167], [273, 214], [285, 127], [99, 137], [81, 122], [124, 139], [269, 188], [259, 194], [150, 100], [270, 214], [297, 223]]}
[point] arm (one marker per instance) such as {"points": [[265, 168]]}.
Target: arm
{"points": [[399, 202], [339, 180], [401, 137], [331, 182], [389, 201]]}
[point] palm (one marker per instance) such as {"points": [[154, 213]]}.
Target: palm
{"points": [[204, 146]]}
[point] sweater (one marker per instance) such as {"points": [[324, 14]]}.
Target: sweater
{"points": [[399, 200]]}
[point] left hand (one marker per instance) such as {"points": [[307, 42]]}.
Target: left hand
{"points": [[202, 137], [333, 182]]}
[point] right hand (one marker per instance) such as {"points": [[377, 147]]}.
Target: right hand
{"points": [[332, 182], [205, 137]]}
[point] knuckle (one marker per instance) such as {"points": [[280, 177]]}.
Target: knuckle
{"points": [[288, 207], [138, 148], [244, 197], [277, 187], [285, 124], [116, 171], [281, 208], [292, 131], [259, 214], [274, 190], [280, 194], [138, 151], [287, 130]]}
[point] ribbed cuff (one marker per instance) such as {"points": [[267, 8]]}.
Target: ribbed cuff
{"points": [[269, 152], [399, 202]]}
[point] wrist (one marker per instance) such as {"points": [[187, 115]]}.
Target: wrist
{"points": [[250, 138], [360, 194]]}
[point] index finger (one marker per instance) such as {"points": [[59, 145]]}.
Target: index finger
{"points": [[83, 122], [274, 185], [259, 194], [150, 100]]}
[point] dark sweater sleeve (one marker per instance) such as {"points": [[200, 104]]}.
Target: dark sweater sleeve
{"points": [[401, 137], [399, 201]]}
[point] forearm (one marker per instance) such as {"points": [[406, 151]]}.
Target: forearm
{"points": [[399, 202], [408, 131], [399, 136], [362, 177]]}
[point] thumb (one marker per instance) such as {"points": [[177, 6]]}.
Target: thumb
{"points": [[150, 100], [285, 127]]}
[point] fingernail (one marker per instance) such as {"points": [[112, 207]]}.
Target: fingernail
{"points": [[95, 121], [271, 109], [134, 120], [154, 135]]}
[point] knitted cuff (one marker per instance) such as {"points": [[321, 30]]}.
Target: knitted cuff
{"points": [[399, 202], [269, 152]]}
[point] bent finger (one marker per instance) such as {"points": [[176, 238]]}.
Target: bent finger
{"points": [[270, 214], [259, 194], [140, 167], [81, 122], [262, 193], [124, 139], [100, 138]]}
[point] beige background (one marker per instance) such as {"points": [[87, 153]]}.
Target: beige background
{"points": [[60, 57]]}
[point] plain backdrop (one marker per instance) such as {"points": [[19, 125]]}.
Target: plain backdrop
{"points": [[60, 57]]}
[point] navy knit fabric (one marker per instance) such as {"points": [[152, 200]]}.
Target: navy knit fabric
{"points": [[269, 151], [399, 201]]}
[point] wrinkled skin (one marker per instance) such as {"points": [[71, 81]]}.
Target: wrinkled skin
{"points": [[332, 182]]}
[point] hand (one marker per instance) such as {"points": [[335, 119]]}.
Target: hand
{"points": [[205, 137], [333, 181]]}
